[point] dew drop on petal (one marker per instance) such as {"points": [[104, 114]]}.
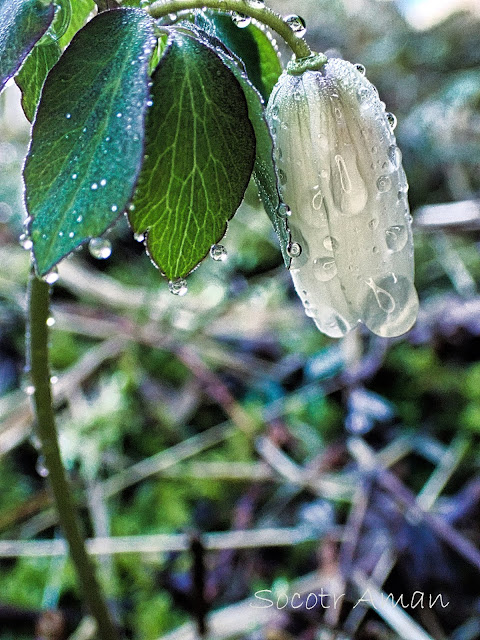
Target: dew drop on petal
{"points": [[282, 177], [384, 184], [317, 200], [330, 243], [373, 224], [294, 250], [218, 253], [100, 248], [392, 120], [178, 287], [297, 25], [395, 156], [324, 269], [360, 68], [396, 237], [344, 177]]}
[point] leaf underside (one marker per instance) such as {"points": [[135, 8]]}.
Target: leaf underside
{"points": [[87, 139], [199, 156], [264, 170], [22, 24]]}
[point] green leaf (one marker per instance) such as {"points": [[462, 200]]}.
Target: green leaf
{"points": [[22, 24], [252, 44], [264, 170], [200, 152], [32, 75], [87, 140], [80, 10]]}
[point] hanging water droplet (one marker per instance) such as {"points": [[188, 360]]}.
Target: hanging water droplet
{"points": [[344, 177], [395, 156], [139, 237], [360, 68], [50, 321], [294, 250], [396, 237], [392, 120], [25, 242], [317, 199], [94, 186], [241, 20], [218, 253], [100, 248], [297, 25], [384, 184], [324, 269], [330, 243], [51, 277], [384, 299], [40, 467], [284, 210], [178, 287]]}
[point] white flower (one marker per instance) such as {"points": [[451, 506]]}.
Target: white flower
{"points": [[340, 173]]}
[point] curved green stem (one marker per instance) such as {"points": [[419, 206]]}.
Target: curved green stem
{"points": [[39, 299], [265, 15]]}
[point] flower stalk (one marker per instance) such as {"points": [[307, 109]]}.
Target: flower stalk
{"points": [[38, 309]]}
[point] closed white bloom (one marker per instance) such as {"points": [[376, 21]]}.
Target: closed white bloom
{"points": [[341, 175]]}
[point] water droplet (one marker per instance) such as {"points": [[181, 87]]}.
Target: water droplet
{"points": [[79, 218], [40, 467], [60, 234], [218, 253], [50, 321], [317, 199], [282, 177], [139, 237], [297, 25], [94, 186], [149, 103], [68, 116], [294, 250], [25, 242], [178, 287], [30, 390], [103, 182], [131, 207], [344, 177], [53, 379], [360, 68], [384, 184], [284, 211], [384, 299], [100, 248], [396, 237], [330, 243], [395, 156], [74, 176], [256, 4], [392, 120], [71, 234], [114, 208], [324, 269], [119, 115], [51, 277], [373, 224], [241, 20]]}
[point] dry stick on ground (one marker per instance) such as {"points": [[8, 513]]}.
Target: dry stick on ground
{"points": [[366, 458]]}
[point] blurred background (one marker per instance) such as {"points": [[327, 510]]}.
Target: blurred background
{"points": [[219, 444]]}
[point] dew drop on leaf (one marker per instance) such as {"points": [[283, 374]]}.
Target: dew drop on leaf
{"points": [[178, 287], [25, 242], [51, 277], [139, 237], [241, 20], [218, 253], [100, 248]]}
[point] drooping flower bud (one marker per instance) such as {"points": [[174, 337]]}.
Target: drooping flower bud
{"points": [[340, 173]]}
